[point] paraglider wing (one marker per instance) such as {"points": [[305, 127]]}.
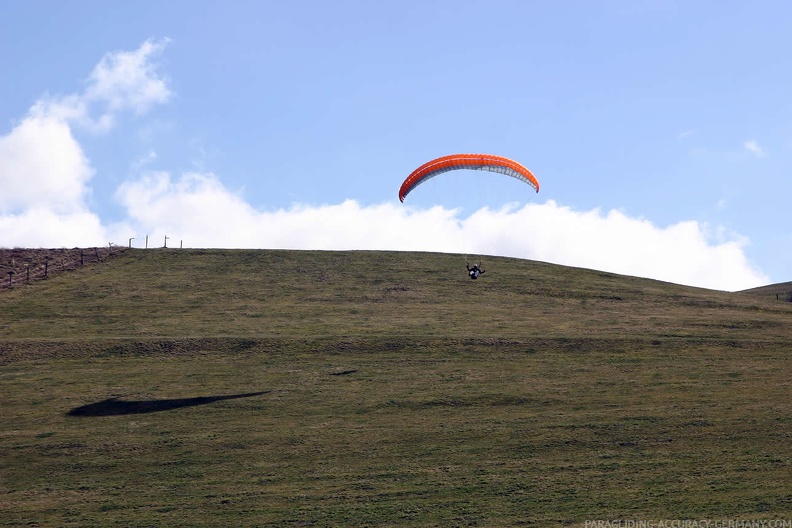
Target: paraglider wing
{"points": [[485, 162]]}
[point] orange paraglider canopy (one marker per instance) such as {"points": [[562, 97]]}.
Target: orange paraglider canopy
{"points": [[485, 162]]}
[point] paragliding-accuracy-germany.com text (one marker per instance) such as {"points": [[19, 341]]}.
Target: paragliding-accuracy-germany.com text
{"points": [[689, 523]]}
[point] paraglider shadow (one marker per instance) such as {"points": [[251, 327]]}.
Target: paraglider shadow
{"points": [[116, 407]]}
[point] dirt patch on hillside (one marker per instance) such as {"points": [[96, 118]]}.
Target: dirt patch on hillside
{"points": [[24, 265]]}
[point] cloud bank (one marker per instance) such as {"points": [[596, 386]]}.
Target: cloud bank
{"points": [[197, 210], [45, 176]]}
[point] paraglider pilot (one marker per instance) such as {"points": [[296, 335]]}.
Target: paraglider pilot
{"points": [[474, 272]]}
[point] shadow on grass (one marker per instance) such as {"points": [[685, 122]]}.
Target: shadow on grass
{"points": [[116, 407]]}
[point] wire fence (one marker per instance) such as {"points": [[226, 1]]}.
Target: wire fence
{"points": [[20, 266]]}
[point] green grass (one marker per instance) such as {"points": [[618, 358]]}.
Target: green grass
{"points": [[395, 392]]}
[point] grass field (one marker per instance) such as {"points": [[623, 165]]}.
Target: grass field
{"points": [[301, 388]]}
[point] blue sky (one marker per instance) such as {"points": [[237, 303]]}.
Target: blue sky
{"points": [[660, 131]]}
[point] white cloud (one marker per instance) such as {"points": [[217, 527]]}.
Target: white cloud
{"points": [[41, 164], [41, 227], [754, 148], [684, 253], [143, 161], [124, 80], [44, 173], [199, 211], [129, 79]]}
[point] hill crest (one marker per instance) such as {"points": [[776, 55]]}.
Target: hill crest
{"points": [[176, 293]]}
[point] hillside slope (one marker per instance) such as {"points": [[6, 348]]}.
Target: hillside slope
{"points": [[192, 388], [781, 291], [268, 293]]}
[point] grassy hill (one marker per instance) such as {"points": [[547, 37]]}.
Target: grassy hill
{"points": [[309, 388], [779, 292]]}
